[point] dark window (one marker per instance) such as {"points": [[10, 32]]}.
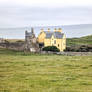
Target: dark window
{"points": [[58, 45], [54, 41]]}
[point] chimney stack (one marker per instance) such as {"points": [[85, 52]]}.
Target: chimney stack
{"points": [[42, 30], [32, 30], [59, 30], [55, 30], [48, 29], [26, 32]]}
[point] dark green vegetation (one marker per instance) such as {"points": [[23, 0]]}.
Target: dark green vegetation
{"points": [[82, 48], [87, 40], [20, 72], [83, 44], [51, 48]]}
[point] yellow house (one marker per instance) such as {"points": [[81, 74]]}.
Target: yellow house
{"points": [[41, 36], [53, 38]]}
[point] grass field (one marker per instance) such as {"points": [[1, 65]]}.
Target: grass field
{"points": [[21, 72], [86, 40]]}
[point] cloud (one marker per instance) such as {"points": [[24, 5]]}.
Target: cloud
{"points": [[18, 16], [48, 3]]}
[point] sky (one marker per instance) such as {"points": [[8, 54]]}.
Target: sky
{"points": [[24, 13]]}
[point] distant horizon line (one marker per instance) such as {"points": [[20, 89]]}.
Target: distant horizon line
{"points": [[66, 37], [44, 26]]}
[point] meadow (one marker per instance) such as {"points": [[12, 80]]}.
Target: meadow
{"points": [[86, 40], [20, 72]]}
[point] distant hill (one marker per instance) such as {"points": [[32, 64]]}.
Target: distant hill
{"points": [[86, 40]]}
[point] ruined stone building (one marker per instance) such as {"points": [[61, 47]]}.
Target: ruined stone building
{"points": [[31, 41], [2, 40]]}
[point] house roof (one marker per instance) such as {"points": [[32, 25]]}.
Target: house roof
{"points": [[49, 34], [58, 35]]}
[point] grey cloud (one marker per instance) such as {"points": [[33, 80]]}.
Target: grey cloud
{"points": [[22, 16]]}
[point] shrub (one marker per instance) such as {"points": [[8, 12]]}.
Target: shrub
{"points": [[82, 48], [51, 48]]}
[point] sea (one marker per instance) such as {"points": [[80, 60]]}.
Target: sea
{"points": [[71, 31]]}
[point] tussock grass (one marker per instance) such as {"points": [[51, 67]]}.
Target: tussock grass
{"points": [[21, 72]]}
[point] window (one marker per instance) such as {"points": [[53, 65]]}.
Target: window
{"points": [[58, 45], [54, 41]]}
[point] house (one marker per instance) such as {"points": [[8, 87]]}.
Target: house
{"points": [[52, 38]]}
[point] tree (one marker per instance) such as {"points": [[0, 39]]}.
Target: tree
{"points": [[51, 48]]}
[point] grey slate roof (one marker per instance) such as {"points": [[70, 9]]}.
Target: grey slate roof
{"points": [[57, 35], [29, 34], [49, 34]]}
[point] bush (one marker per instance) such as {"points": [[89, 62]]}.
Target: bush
{"points": [[82, 48], [51, 48]]}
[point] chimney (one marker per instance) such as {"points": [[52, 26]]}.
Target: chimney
{"points": [[26, 32], [42, 30], [32, 30], [48, 29], [59, 30], [55, 30], [26, 35]]}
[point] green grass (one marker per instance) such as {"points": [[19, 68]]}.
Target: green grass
{"points": [[87, 40], [21, 72]]}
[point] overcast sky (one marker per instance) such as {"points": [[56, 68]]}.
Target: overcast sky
{"points": [[21, 13]]}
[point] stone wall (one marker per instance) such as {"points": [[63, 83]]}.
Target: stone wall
{"points": [[19, 46], [75, 53], [80, 48], [68, 53]]}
